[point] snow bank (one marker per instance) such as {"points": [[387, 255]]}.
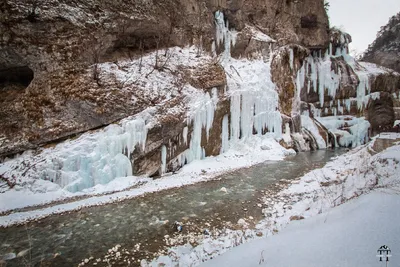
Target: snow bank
{"points": [[346, 177], [348, 235], [376, 69], [317, 192]]}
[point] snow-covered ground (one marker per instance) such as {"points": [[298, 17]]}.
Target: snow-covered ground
{"points": [[348, 235], [358, 172]]}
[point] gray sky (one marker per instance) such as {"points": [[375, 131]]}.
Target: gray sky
{"points": [[362, 19]]}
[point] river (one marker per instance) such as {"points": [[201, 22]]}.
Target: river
{"points": [[65, 240]]}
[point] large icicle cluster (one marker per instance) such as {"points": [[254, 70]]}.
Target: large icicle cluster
{"points": [[253, 95], [254, 100], [201, 115], [224, 36], [357, 133], [317, 74], [95, 158]]}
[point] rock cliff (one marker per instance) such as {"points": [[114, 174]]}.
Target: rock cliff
{"points": [[51, 87], [145, 87], [385, 50]]}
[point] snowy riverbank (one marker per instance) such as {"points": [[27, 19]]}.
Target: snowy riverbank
{"points": [[360, 171], [348, 235]]}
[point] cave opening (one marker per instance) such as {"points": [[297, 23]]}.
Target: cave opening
{"points": [[16, 77]]}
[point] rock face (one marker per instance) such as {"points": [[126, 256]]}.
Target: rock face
{"points": [[50, 86], [328, 82], [385, 50], [72, 67]]}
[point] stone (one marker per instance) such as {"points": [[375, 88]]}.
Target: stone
{"points": [[296, 218]]}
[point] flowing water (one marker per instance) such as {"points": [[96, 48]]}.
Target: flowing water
{"points": [[65, 240]]}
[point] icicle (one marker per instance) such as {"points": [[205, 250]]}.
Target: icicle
{"points": [[291, 58], [225, 134], [185, 135], [163, 159], [213, 49], [362, 88], [224, 35], [202, 117], [235, 117], [348, 104]]}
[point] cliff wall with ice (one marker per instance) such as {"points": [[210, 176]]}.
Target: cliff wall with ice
{"points": [[285, 77], [329, 85], [52, 85]]}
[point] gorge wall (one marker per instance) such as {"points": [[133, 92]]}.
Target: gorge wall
{"points": [[50, 84], [385, 50], [256, 68]]}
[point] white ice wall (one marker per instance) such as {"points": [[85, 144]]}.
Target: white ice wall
{"points": [[95, 158]]}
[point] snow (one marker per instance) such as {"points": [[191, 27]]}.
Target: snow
{"points": [[314, 197], [349, 235], [357, 133], [259, 36], [376, 69], [309, 124]]}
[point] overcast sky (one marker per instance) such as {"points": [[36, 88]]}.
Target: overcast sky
{"points": [[362, 18]]}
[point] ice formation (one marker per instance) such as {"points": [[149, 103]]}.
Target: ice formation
{"points": [[95, 158], [201, 116], [253, 98], [357, 133], [308, 124], [317, 74], [225, 134], [224, 36]]}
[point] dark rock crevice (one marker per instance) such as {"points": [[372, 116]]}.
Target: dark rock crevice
{"points": [[15, 78]]}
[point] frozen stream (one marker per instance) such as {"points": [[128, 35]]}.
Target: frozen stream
{"points": [[66, 240]]}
